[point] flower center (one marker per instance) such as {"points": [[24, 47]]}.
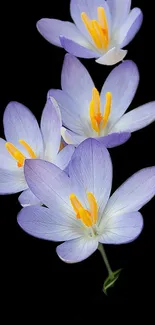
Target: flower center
{"points": [[17, 155], [88, 217], [98, 29], [97, 119]]}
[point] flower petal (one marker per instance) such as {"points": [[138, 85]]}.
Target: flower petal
{"points": [[64, 156], [20, 123], [122, 82], [121, 229], [132, 194], [27, 198], [71, 137], [78, 48], [69, 110], [114, 139], [51, 129], [76, 81], [50, 184], [41, 223], [77, 250], [136, 119], [90, 8], [93, 173], [119, 10], [131, 27], [12, 181], [113, 56], [6, 160], [52, 29]]}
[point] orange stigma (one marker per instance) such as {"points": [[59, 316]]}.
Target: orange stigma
{"points": [[98, 29], [17, 155], [88, 217]]}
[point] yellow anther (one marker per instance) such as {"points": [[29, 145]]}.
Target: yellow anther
{"points": [[85, 217], [98, 30], [107, 108], [28, 148], [15, 153], [75, 204], [93, 206]]}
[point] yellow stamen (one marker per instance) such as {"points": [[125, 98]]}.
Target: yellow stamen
{"points": [[107, 109], [89, 218], [98, 30], [61, 146], [15, 153], [28, 148]]}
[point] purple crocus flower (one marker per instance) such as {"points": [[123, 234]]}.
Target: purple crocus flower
{"points": [[26, 140], [100, 29], [86, 113], [80, 212]]}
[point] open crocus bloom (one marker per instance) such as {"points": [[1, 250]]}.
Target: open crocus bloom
{"points": [[86, 113], [80, 211], [100, 29], [26, 140]]}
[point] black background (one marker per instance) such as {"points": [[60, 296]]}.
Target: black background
{"points": [[32, 274]]}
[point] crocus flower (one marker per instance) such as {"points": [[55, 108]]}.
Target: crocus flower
{"points": [[79, 210], [100, 29], [24, 139], [86, 113]]}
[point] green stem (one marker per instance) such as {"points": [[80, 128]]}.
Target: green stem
{"points": [[102, 251]]}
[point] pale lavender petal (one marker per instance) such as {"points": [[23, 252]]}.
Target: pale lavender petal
{"points": [[77, 250], [51, 129], [113, 56], [122, 82], [136, 119], [121, 229], [6, 160], [64, 156], [119, 10], [70, 110], [12, 181], [27, 198], [114, 139], [71, 137], [90, 8], [21, 124], [93, 173], [132, 194], [52, 29], [131, 27], [77, 49], [50, 184], [76, 81], [40, 222]]}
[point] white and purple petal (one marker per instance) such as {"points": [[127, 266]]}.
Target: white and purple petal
{"points": [[114, 139], [78, 49], [27, 198], [112, 56], [64, 156], [12, 181], [119, 10]]}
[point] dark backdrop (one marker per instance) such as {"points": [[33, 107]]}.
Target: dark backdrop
{"points": [[31, 270]]}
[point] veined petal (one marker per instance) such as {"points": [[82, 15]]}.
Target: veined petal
{"points": [[6, 161], [79, 49], [71, 137], [51, 185], [136, 119], [130, 28], [132, 194], [52, 29], [119, 10], [121, 229], [64, 156], [27, 198], [12, 181], [51, 129], [113, 56], [77, 82], [114, 139], [93, 173], [122, 82], [20, 123], [40, 222], [90, 8], [77, 250]]}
